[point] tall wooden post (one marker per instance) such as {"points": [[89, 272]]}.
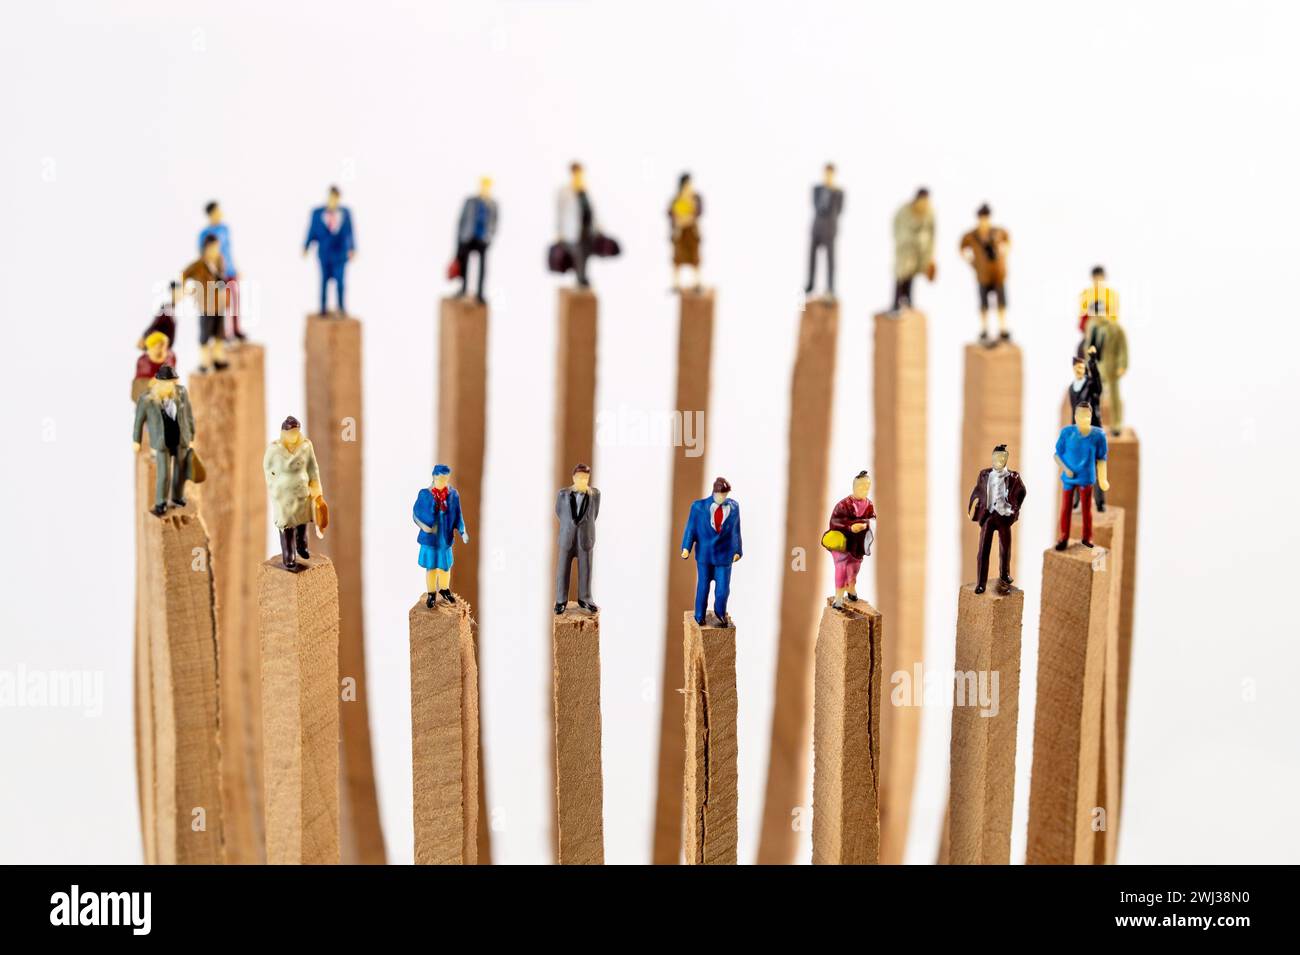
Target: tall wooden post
{"points": [[710, 784]]}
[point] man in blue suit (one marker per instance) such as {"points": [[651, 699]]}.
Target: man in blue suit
{"points": [[713, 529], [331, 230]]}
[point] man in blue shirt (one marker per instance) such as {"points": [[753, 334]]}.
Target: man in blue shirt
{"points": [[331, 229], [1081, 456], [217, 226], [713, 529]]}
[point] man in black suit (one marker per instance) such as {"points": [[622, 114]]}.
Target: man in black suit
{"points": [[995, 506], [1086, 387]]}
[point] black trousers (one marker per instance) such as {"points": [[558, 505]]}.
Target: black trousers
{"points": [[293, 539], [994, 524], [830, 264], [903, 292], [463, 251]]}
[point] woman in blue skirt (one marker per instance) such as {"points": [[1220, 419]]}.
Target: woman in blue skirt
{"points": [[437, 512]]}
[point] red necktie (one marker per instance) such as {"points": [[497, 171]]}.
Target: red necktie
{"points": [[717, 519]]}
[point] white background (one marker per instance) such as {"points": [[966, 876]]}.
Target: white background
{"points": [[1157, 139]]}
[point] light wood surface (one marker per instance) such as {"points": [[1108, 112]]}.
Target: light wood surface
{"points": [[982, 765], [145, 770], [335, 424], [812, 387], [1124, 472], [689, 483], [579, 786], [899, 493], [299, 621], [710, 784], [846, 736], [444, 733]]}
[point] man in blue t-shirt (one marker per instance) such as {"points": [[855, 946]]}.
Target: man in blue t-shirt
{"points": [[1081, 456]]}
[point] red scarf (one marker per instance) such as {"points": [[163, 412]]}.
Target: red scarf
{"points": [[439, 498]]}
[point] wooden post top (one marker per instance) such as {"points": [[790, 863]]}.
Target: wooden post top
{"points": [[441, 610]]}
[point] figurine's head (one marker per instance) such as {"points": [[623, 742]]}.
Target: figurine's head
{"points": [[721, 488], [441, 476], [212, 251], [1000, 457], [577, 178], [291, 433], [1098, 275], [582, 477], [984, 218], [163, 385], [213, 211], [1080, 368], [921, 203], [332, 199], [485, 186], [1083, 416], [861, 485], [684, 185], [155, 346], [828, 174]]}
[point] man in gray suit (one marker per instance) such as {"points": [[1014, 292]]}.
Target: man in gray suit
{"points": [[828, 203], [165, 408], [474, 232], [577, 507]]}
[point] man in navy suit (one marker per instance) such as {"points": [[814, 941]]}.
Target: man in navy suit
{"points": [[713, 529], [331, 230]]}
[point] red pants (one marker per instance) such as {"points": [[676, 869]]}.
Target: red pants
{"points": [[1085, 509]]}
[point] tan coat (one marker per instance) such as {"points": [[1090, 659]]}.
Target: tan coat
{"points": [[988, 271], [288, 475]]}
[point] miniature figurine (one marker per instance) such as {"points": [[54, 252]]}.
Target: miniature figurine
{"points": [[219, 228], [1081, 456], [165, 320], [985, 248], [1098, 299], [1107, 337], [438, 514], [713, 529], [849, 538], [293, 478], [995, 505], [165, 409], [207, 273], [577, 507], [474, 232], [828, 203], [1086, 387], [578, 237], [157, 353], [684, 229], [331, 229], [913, 247]]}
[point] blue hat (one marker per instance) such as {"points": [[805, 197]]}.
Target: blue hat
{"points": [[440, 469]]}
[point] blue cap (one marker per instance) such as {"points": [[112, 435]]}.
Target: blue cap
{"points": [[440, 469]]}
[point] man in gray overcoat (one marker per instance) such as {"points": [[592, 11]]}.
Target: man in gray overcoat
{"points": [[165, 410], [577, 507]]}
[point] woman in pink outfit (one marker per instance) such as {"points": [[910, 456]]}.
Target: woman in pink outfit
{"points": [[852, 517]]}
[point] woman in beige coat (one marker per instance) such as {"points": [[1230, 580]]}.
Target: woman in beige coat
{"points": [[293, 478]]}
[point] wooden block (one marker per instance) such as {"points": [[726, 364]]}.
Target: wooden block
{"points": [[694, 356], [1108, 532], [444, 733], [846, 737], [982, 768], [709, 794], [335, 425], [143, 682], [991, 415], [809, 441], [899, 492], [186, 800], [579, 790], [1067, 718], [299, 619], [460, 435], [231, 441], [1124, 472]]}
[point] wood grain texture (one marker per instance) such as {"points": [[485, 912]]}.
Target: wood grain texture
{"points": [[460, 435], [982, 765], [899, 492], [230, 437], [710, 783], [689, 483], [1072, 627], [1124, 472], [299, 620], [846, 736], [145, 769], [1108, 532], [336, 426], [187, 797], [991, 415], [812, 388], [579, 787], [444, 733]]}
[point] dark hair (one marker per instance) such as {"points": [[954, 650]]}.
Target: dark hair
{"points": [[721, 486], [209, 207], [334, 190], [290, 423], [582, 469], [173, 285], [1097, 270], [575, 166], [210, 239], [923, 193], [682, 180], [1000, 447], [861, 474], [830, 167], [984, 210]]}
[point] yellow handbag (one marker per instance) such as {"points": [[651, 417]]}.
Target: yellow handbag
{"points": [[834, 540]]}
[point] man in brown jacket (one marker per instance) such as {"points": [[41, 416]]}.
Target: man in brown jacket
{"points": [[208, 275], [985, 248], [995, 505]]}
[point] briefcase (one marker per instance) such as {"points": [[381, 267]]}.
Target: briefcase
{"points": [[604, 246], [558, 258], [453, 269]]}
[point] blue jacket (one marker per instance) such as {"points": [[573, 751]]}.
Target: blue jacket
{"points": [[332, 247], [712, 547], [446, 524]]}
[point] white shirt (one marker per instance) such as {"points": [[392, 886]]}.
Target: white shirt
{"points": [[997, 492], [169, 407]]}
